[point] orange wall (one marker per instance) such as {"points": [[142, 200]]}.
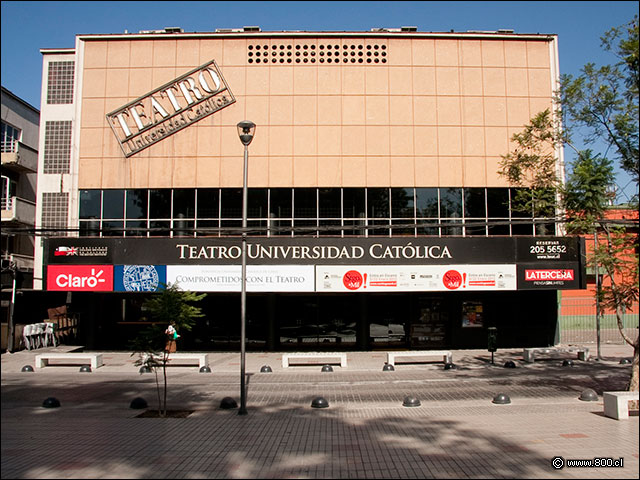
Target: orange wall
{"points": [[614, 213]]}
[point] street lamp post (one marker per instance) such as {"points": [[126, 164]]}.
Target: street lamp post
{"points": [[246, 129]]}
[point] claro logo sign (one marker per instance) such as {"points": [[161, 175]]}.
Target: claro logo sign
{"points": [[80, 278], [170, 108]]}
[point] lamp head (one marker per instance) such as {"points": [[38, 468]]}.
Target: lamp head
{"points": [[246, 130]]}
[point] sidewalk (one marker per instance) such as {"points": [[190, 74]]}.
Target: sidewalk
{"points": [[366, 432]]}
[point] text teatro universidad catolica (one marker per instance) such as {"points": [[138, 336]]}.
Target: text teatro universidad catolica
{"points": [[319, 252]]}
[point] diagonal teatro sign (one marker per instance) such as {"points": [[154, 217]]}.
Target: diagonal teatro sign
{"points": [[170, 108]]}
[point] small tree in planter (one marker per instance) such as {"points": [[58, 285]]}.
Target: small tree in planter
{"points": [[154, 345]]}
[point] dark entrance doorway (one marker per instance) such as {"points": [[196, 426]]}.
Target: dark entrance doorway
{"points": [[388, 320], [317, 322], [430, 323]]}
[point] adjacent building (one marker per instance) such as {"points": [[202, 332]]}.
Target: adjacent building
{"points": [[20, 125], [376, 214]]}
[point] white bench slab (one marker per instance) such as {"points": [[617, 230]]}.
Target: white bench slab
{"points": [[616, 404], [186, 358], [529, 354], [444, 354], [42, 360], [302, 356]]}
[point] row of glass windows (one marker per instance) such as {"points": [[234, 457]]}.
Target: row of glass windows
{"points": [[305, 211]]}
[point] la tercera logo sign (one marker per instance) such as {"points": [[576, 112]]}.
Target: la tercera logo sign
{"points": [[170, 108]]}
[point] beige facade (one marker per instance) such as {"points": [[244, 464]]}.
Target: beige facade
{"points": [[439, 111]]}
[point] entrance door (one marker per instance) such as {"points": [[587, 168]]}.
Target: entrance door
{"points": [[388, 321], [298, 322], [317, 322], [430, 322]]}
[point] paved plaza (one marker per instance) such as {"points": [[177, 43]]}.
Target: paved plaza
{"points": [[365, 432]]}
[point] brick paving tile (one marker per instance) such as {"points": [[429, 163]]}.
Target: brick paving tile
{"points": [[366, 432]]}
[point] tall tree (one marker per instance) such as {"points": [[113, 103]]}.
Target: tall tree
{"points": [[602, 102], [600, 105]]}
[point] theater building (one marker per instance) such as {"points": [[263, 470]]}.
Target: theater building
{"points": [[376, 214]]}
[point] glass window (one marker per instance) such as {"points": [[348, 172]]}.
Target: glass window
{"points": [[159, 228], [451, 202], [208, 227], [10, 137], [452, 227], [280, 227], [231, 203], [548, 228], [231, 227], [183, 228], [184, 203], [427, 202], [378, 227], [136, 228], [330, 227], [208, 203], [402, 202], [137, 203], [355, 227], [90, 203], [353, 202], [8, 191], [475, 227], [520, 226], [544, 203], [498, 202], [403, 227], [428, 228], [474, 203], [378, 202], [113, 204], [160, 203], [257, 227], [498, 211], [520, 198], [305, 227], [305, 202], [280, 203], [498, 228], [89, 228], [113, 228], [329, 202], [257, 203]]}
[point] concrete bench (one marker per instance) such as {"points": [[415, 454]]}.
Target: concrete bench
{"points": [[529, 354], [616, 404], [444, 354], [301, 356], [186, 358], [42, 360]]}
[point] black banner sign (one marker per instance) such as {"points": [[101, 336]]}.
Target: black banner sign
{"points": [[540, 262], [315, 251]]}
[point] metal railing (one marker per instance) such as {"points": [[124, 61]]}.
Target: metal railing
{"points": [[577, 322]]}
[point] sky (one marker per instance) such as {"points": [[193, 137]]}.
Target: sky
{"points": [[28, 26]]}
